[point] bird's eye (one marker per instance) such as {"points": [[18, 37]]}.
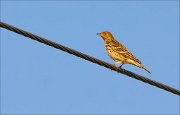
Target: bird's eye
{"points": [[104, 33]]}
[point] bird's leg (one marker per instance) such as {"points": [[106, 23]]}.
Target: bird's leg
{"points": [[121, 65], [119, 62]]}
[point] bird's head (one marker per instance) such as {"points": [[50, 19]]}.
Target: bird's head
{"points": [[105, 35]]}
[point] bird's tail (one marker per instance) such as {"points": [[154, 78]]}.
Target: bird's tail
{"points": [[138, 64], [141, 66]]}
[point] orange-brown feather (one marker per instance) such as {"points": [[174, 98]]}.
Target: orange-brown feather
{"points": [[119, 52]]}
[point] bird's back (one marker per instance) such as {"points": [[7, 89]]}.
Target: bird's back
{"points": [[121, 50]]}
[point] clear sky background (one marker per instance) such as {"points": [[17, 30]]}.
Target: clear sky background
{"points": [[38, 79]]}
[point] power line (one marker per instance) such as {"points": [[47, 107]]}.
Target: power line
{"points": [[89, 58]]}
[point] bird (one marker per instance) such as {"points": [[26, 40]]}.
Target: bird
{"points": [[118, 52]]}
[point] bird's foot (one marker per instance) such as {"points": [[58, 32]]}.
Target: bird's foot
{"points": [[121, 65]]}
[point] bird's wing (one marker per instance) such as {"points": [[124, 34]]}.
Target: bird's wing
{"points": [[122, 50]]}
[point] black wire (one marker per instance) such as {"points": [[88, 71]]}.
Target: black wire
{"points": [[89, 58]]}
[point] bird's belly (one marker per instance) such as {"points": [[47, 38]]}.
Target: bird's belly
{"points": [[114, 55]]}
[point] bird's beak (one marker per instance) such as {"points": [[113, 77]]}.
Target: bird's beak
{"points": [[98, 33]]}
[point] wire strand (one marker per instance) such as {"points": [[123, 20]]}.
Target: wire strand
{"points": [[90, 58]]}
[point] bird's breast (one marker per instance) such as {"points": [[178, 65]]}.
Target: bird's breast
{"points": [[113, 54]]}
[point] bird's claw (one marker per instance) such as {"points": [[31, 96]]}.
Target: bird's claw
{"points": [[121, 66]]}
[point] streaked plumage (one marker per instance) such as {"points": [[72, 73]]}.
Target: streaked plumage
{"points": [[118, 52]]}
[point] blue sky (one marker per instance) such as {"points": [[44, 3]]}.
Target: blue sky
{"points": [[38, 79]]}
